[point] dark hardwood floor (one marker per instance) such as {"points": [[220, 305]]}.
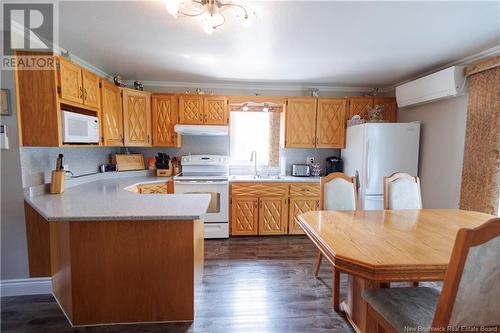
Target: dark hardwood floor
{"points": [[250, 284]]}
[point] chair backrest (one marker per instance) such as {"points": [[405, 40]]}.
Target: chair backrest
{"points": [[471, 289], [338, 192], [402, 191]]}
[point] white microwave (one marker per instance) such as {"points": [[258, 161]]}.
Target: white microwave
{"points": [[79, 128]]}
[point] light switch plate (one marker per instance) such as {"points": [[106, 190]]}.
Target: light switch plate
{"points": [[310, 160]]}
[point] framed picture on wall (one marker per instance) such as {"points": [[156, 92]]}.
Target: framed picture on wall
{"points": [[4, 102]]}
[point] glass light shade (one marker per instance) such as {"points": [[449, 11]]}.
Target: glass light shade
{"points": [[173, 6]]}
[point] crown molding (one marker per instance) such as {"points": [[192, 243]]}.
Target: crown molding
{"points": [[491, 52], [259, 86]]}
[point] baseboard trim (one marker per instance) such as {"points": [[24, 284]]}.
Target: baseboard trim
{"points": [[20, 287]]}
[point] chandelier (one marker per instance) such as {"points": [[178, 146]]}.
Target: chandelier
{"points": [[211, 13]]}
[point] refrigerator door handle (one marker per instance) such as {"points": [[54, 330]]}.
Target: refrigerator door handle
{"points": [[358, 185], [367, 170]]}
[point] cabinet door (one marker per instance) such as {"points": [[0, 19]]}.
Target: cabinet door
{"points": [[190, 109], [164, 117], [244, 216], [215, 110], [91, 96], [330, 125], [273, 215], [359, 106], [70, 80], [300, 123], [390, 107], [111, 115], [300, 205], [136, 117]]}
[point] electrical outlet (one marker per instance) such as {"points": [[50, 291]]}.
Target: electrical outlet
{"points": [[310, 160]]}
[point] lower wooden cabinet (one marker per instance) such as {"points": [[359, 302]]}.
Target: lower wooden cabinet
{"points": [[270, 208], [300, 206], [273, 216], [244, 216]]}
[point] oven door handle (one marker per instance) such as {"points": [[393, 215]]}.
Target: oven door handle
{"points": [[201, 182]]}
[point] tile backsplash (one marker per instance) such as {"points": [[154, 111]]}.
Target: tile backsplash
{"points": [[38, 162]]}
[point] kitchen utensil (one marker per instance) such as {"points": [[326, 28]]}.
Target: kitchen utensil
{"points": [[315, 169]]}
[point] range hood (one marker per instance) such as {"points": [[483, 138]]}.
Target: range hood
{"points": [[202, 130]]}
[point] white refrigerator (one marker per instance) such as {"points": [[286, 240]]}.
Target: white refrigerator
{"points": [[376, 150]]}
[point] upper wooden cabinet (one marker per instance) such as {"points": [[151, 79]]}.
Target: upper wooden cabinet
{"points": [[70, 80], [164, 117], [77, 86], [215, 110], [330, 123], [360, 105], [315, 122], [300, 123], [202, 109], [390, 107], [136, 117], [191, 109], [91, 93], [111, 115]]}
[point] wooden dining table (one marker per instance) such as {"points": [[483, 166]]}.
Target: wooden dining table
{"points": [[378, 247]]}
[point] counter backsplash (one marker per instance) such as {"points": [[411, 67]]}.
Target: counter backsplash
{"points": [[38, 162]]}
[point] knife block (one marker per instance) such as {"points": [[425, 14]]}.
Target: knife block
{"points": [[165, 172], [57, 181]]}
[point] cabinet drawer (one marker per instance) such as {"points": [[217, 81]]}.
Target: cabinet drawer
{"points": [[157, 188], [304, 190], [259, 189]]}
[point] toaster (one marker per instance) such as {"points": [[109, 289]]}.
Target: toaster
{"points": [[301, 170]]}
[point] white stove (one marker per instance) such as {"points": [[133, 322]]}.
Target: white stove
{"points": [[208, 174]]}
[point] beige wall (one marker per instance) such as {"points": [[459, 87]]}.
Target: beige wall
{"points": [[441, 149]]}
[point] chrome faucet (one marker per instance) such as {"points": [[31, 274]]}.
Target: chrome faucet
{"points": [[253, 158]]}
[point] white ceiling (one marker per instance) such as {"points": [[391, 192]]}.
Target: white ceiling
{"points": [[344, 43]]}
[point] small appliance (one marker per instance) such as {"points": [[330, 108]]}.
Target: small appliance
{"points": [[79, 128], [301, 170], [334, 164]]}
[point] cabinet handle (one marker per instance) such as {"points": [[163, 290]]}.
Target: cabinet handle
{"points": [[206, 118], [81, 92], [85, 93], [317, 140], [148, 138]]}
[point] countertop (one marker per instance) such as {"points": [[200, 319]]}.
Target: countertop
{"points": [[281, 179], [108, 199]]}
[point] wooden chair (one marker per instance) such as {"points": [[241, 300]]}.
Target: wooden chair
{"points": [[402, 191], [337, 192], [470, 296]]}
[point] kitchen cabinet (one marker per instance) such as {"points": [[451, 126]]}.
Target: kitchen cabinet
{"points": [[300, 123], [273, 215], [70, 81], [41, 94], [330, 122], [164, 118], [136, 117], [244, 216], [304, 197], [360, 105], [315, 122], [111, 115], [191, 109], [156, 188], [215, 110], [390, 107], [77, 86], [259, 209], [200, 109]]}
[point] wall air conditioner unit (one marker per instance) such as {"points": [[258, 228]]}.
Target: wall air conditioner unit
{"points": [[447, 83]]}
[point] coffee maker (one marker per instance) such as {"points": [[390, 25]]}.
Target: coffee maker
{"points": [[334, 164]]}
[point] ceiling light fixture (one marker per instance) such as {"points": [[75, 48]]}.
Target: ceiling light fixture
{"points": [[211, 13]]}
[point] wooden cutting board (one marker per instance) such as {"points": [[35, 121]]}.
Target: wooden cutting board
{"points": [[127, 162]]}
